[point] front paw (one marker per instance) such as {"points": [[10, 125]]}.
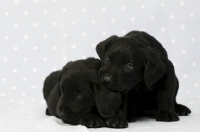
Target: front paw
{"points": [[116, 122], [182, 110], [167, 116], [91, 121]]}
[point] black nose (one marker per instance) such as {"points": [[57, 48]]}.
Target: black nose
{"points": [[106, 80], [61, 114]]}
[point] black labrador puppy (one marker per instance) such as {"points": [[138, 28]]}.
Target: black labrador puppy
{"points": [[138, 66], [75, 95]]}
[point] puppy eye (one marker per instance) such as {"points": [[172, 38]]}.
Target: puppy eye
{"points": [[78, 96], [129, 67], [107, 59]]}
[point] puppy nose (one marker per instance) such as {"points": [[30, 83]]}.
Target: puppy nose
{"points": [[61, 114], [106, 80]]}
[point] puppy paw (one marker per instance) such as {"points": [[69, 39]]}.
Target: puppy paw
{"points": [[182, 110], [167, 116], [116, 122], [91, 121], [132, 117]]}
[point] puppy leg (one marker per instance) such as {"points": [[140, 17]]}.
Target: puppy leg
{"points": [[47, 112], [182, 110], [166, 98], [119, 119], [92, 121]]}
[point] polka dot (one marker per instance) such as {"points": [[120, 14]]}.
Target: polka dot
{"points": [[6, 37], [73, 22], [173, 40], [44, 59], [74, 46], [35, 24], [34, 70], [93, 21], [196, 85], [33, 87], [64, 10], [54, 23], [32, 99], [2, 94], [191, 14], [143, 29], [24, 79], [5, 59], [84, 57], [54, 69], [12, 100], [194, 63], [174, 64], [14, 70], [84, 10], [132, 19], [93, 45], [162, 4], [43, 102], [54, 47], [123, 7], [182, 27], [185, 76], [45, 35], [84, 34], [15, 48], [103, 9], [64, 57], [13, 87], [26, 13], [192, 39], [64, 35], [45, 12], [188, 91], [25, 59], [113, 20], [25, 36], [35, 1], [16, 25], [4, 79], [142, 6], [21, 103], [171, 16], [16, 1], [35, 47], [123, 31], [152, 17], [6, 13], [103, 32], [23, 94], [184, 51], [182, 3], [191, 102], [162, 29]]}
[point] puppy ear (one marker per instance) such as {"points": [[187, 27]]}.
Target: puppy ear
{"points": [[60, 75], [103, 46], [107, 102], [154, 68]]}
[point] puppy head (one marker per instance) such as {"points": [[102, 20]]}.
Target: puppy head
{"points": [[78, 86], [126, 61]]}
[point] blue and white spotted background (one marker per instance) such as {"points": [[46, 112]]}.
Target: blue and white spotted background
{"points": [[40, 36]]}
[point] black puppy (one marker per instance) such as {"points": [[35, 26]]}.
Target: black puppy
{"points": [[139, 63], [76, 96]]}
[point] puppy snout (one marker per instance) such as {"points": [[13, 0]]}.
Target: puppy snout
{"points": [[107, 80], [63, 113]]}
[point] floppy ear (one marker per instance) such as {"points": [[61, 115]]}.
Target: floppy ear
{"points": [[154, 68], [60, 75], [103, 46], [107, 101]]}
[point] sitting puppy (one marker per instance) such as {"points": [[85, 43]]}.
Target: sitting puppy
{"points": [[139, 63], [76, 96]]}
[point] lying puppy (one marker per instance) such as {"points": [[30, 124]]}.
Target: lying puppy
{"points": [[76, 96], [139, 63]]}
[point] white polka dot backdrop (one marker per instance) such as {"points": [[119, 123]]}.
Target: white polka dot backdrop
{"points": [[40, 36]]}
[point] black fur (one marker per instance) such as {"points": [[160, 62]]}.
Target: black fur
{"points": [[138, 66], [75, 95]]}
